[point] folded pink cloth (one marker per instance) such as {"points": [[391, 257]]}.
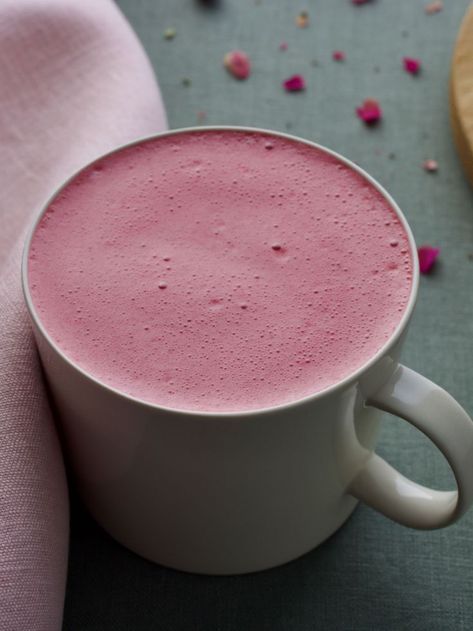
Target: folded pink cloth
{"points": [[74, 83]]}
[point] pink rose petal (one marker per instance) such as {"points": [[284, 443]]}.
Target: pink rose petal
{"points": [[358, 2], [294, 83], [433, 7], [431, 166], [411, 65], [238, 64], [338, 55], [283, 46], [370, 111], [427, 257]]}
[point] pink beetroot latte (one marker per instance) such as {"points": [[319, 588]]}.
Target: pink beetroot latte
{"points": [[220, 270]]}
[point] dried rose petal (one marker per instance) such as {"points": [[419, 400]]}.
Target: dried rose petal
{"points": [[283, 46], [302, 20], [411, 65], [370, 111], [427, 257], [238, 64], [430, 165], [433, 7], [294, 83], [360, 1], [338, 55]]}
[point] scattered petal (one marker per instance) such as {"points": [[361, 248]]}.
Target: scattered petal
{"points": [[170, 33], [302, 20], [411, 65], [201, 116], [370, 111], [427, 257], [238, 64], [431, 166], [338, 55], [433, 7], [358, 2], [296, 83], [283, 46]]}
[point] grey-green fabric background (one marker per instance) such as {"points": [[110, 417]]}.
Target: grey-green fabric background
{"points": [[373, 574]]}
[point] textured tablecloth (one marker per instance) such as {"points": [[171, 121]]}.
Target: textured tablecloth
{"points": [[373, 574]]}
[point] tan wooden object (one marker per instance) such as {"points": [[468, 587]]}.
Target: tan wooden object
{"points": [[461, 93]]}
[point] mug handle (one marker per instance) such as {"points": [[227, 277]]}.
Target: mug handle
{"points": [[432, 410]]}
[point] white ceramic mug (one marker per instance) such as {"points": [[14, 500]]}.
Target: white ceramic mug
{"points": [[226, 493]]}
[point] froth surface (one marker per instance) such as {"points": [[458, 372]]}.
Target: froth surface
{"points": [[220, 271]]}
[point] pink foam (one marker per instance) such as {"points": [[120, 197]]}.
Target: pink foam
{"points": [[220, 271]]}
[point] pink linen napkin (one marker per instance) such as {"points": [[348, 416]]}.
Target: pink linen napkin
{"points": [[74, 83]]}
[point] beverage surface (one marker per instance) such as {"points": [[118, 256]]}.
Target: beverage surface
{"points": [[220, 270]]}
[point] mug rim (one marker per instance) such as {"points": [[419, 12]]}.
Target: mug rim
{"points": [[331, 389]]}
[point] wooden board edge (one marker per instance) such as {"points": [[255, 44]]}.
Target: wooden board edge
{"points": [[464, 147]]}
